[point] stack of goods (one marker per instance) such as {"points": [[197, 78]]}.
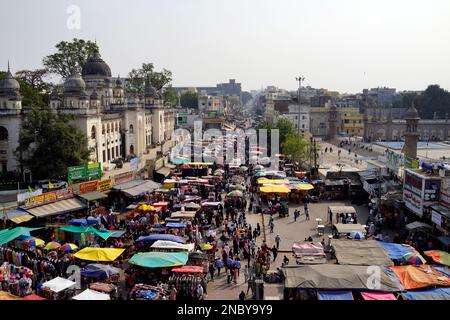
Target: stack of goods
{"points": [[148, 292], [186, 284]]}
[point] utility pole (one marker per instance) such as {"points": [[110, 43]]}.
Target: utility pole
{"points": [[299, 79]]}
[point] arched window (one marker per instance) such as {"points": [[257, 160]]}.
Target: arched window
{"points": [[131, 149], [116, 127], [3, 134], [108, 128], [93, 134], [131, 128], [103, 129]]}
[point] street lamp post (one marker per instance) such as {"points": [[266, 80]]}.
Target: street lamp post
{"points": [[299, 79]]}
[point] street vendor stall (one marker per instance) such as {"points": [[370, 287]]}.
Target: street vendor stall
{"points": [[171, 245], [347, 213], [186, 280], [189, 215], [89, 294], [346, 229], [55, 288], [99, 254], [309, 253], [159, 259]]}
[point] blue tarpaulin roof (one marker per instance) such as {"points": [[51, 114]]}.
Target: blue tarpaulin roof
{"points": [[335, 295], [395, 250], [99, 271], [176, 225], [78, 222], [443, 270], [432, 294], [155, 237], [444, 240]]}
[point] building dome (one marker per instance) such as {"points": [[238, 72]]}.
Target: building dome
{"points": [[9, 85], [118, 82], [412, 113], [95, 66], [74, 84], [150, 91], [94, 95]]}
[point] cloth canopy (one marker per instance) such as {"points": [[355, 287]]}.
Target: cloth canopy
{"points": [[128, 185], [274, 189], [211, 203], [183, 215], [418, 225], [162, 236], [308, 252], [417, 277], [335, 295], [191, 205], [99, 254], [303, 186], [93, 196], [8, 296], [8, 235], [396, 251], [82, 229], [99, 271], [176, 225], [438, 256], [146, 186], [162, 244], [349, 227], [336, 277], [432, 294], [58, 284], [360, 253], [89, 294], [272, 181], [188, 269], [378, 296], [59, 207], [117, 233], [444, 240], [160, 259], [341, 209], [18, 216]]}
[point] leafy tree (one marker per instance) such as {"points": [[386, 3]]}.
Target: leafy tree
{"points": [[189, 99], [48, 144], [31, 96], [35, 78], [295, 147], [170, 96], [137, 78], [433, 100], [70, 57]]}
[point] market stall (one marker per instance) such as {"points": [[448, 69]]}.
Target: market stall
{"points": [[186, 279], [89, 294], [99, 254], [57, 289]]}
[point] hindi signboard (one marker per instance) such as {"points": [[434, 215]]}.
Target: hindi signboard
{"points": [[88, 186], [84, 171], [49, 197], [104, 185]]}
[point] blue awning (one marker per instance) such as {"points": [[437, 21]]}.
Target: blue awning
{"points": [[155, 237], [432, 294], [335, 295], [176, 225]]}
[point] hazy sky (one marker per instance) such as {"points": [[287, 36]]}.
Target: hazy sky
{"points": [[343, 45]]}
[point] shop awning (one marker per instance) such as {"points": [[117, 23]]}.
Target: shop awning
{"points": [[335, 295], [99, 254], [8, 235], [18, 216], [347, 228], [93, 196], [147, 186], [160, 259], [165, 171], [59, 207]]}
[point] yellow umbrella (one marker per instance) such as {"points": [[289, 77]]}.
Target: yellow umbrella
{"points": [[39, 242], [273, 181], [146, 207], [304, 186], [275, 189], [99, 254]]}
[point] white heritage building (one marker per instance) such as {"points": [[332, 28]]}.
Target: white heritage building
{"points": [[116, 124]]}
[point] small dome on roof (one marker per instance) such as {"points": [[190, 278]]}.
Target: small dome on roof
{"points": [[412, 113], [95, 66], [9, 85], [74, 84]]}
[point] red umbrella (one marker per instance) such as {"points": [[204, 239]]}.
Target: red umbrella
{"points": [[185, 166]]}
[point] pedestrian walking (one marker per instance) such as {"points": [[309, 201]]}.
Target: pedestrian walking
{"points": [[274, 252], [212, 269], [246, 273], [277, 241], [307, 214], [242, 295], [228, 276], [271, 225], [219, 265]]}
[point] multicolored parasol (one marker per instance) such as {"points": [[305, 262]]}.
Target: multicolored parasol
{"points": [[68, 247], [52, 245], [235, 194], [414, 258], [185, 166], [35, 242]]}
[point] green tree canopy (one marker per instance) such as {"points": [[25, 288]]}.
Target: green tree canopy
{"points": [[433, 100], [295, 147], [189, 99], [170, 96], [70, 57], [49, 143], [137, 78], [32, 88]]}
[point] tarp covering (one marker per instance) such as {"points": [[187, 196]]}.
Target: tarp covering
{"points": [[59, 207], [117, 233], [396, 251], [418, 225], [58, 284], [347, 228], [82, 229], [33, 297], [99, 271], [378, 296], [163, 236], [99, 254], [336, 277], [341, 209], [92, 196], [8, 235], [418, 277], [335, 295], [183, 215], [161, 244], [274, 189], [89, 294], [147, 186], [432, 294], [176, 225], [160, 259], [188, 269], [438, 256], [360, 253]]}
